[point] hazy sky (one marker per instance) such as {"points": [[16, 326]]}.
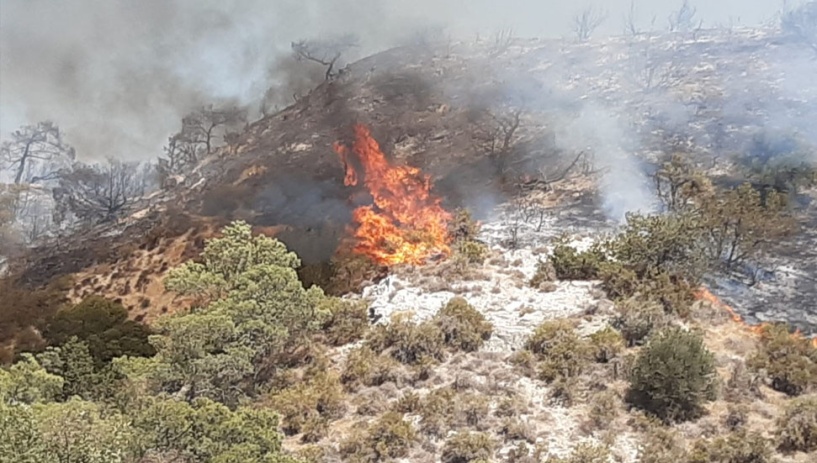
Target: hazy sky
{"points": [[117, 75]]}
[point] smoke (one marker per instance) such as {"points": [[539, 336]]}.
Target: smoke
{"points": [[623, 185], [118, 75]]}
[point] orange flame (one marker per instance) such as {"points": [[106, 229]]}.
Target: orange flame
{"points": [[406, 223], [704, 294]]}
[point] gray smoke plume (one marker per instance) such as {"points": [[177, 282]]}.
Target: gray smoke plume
{"points": [[623, 185], [118, 75]]}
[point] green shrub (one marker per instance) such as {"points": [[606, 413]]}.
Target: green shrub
{"points": [[463, 227], [388, 437], [797, 428], [24, 308], [789, 361], [604, 409], [655, 244], [104, 326], [661, 444], [473, 251], [472, 409], [637, 319], [408, 342], [347, 322], [437, 411], [584, 453], [463, 231], [366, 368], [463, 327], [409, 402], [466, 447], [735, 448], [673, 376], [305, 404], [560, 351], [545, 273], [606, 344], [736, 417], [571, 264], [516, 429]]}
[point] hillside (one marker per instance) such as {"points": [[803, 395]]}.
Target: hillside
{"points": [[439, 108], [521, 336]]}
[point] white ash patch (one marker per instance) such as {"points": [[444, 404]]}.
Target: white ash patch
{"points": [[499, 288]]}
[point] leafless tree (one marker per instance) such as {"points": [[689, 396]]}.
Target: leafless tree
{"points": [[801, 23], [33, 212], [325, 53], [630, 27], [36, 153], [98, 192], [198, 137], [683, 19], [502, 40], [202, 127], [586, 22], [497, 134], [180, 156], [652, 71]]}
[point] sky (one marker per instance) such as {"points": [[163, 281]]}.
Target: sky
{"points": [[118, 75]]}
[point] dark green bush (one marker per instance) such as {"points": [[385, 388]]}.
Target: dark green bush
{"points": [[606, 344], [466, 447], [463, 327], [104, 326], [559, 350], [654, 244], [797, 428], [572, 264], [790, 361], [347, 323], [22, 309], [673, 376]]}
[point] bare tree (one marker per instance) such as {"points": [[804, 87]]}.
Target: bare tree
{"points": [[801, 23], [180, 156], [198, 137], [652, 72], [201, 127], [497, 135], [98, 192], [586, 22], [36, 153], [325, 53], [683, 19], [502, 40]]}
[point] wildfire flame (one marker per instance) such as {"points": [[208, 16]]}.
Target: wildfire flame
{"points": [[704, 294], [406, 223]]}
